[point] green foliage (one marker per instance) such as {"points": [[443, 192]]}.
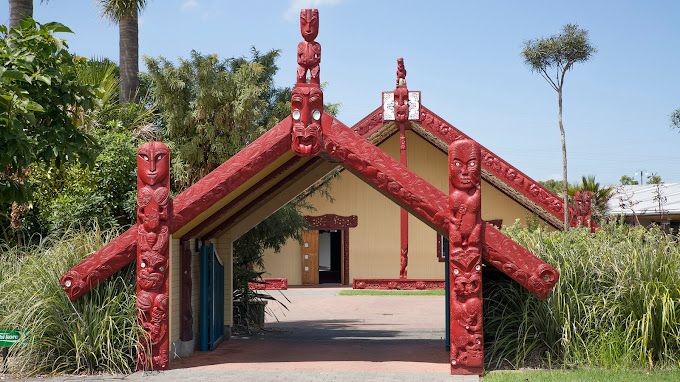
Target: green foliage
{"points": [[211, 108], [97, 333], [555, 186], [559, 53], [117, 9], [104, 194], [616, 305], [654, 178], [41, 103], [626, 180], [583, 375]]}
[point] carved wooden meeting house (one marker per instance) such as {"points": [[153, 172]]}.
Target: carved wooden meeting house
{"points": [[183, 246]]}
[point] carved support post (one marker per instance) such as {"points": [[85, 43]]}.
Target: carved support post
{"points": [[154, 211], [465, 255], [187, 317], [401, 108]]}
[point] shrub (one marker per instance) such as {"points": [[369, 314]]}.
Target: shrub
{"points": [[97, 333], [617, 303]]}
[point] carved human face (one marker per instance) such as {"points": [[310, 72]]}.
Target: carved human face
{"points": [[467, 284], [152, 270], [309, 24], [464, 164], [307, 108], [583, 201], [153, 163]]}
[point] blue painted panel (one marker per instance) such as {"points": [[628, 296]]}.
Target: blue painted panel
{"points": [[211, 311]]}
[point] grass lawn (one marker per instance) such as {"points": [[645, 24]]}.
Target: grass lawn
{"points": [[376, 292], [585, 375]]}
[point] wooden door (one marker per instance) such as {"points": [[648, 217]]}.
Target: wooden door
{"points": [[310, 257]]}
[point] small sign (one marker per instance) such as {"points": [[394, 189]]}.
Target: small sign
{"points": [[9, 337]]}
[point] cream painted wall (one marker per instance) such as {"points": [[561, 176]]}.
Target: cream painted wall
{"points": [[374, 243]]}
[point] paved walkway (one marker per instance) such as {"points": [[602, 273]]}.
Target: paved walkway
{"points": [[326, 337]]}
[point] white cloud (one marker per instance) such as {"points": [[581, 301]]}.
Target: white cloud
{"points": [[188, 5], [293, 10]]}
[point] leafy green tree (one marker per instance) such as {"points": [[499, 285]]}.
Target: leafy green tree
{"points": [[628, 181], [19, 10], [654, 178], [125, 13], [211, 108], [552, 57], [41, 105]]}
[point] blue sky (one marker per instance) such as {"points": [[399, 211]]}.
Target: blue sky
{"points": [[465, 58]]}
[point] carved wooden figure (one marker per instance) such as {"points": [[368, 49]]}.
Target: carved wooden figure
{"points": [[306, 111], [582, 212], [465, 254], [154, 209], [401, 116], [309, 51]]}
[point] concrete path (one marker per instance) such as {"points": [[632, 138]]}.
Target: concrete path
{"points": [[326, 337]]}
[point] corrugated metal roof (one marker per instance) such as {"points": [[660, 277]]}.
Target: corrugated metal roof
{"points": [[644, 199]]}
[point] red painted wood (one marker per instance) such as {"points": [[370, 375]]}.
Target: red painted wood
{"points": [[269, 284], [582, 211], [429, 204], [154, 212], [187, 205], [465, 253], [398, 284], [491, 162]]}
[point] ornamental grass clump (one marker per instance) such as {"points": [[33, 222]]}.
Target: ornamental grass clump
{"points": [[97, 333], [616, 305]]}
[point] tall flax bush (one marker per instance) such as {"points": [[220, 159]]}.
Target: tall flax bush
{"points": [[617, 303], [94, 334]]}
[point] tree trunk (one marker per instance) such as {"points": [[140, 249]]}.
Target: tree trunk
{"points": [[19, 10], [129, 56], [565, 183]]}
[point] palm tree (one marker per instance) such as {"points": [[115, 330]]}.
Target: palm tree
{"points": [[125, 13], [19, 10]]}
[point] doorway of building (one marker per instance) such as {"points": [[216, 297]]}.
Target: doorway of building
{"points": [[330, 256]]}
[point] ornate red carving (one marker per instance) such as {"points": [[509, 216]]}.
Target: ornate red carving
{"points": [[306, 110], [100, 265], [309, 51], [430, 205], [186, 331], [400, 284], [269, 284], [401, 72], [154, 211], [332, 221], [582, 212], [344, 223], [186, 206], [518, 263], [307, 98], [370, 123], [515, 179], [465, 254], [401, 116]]}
